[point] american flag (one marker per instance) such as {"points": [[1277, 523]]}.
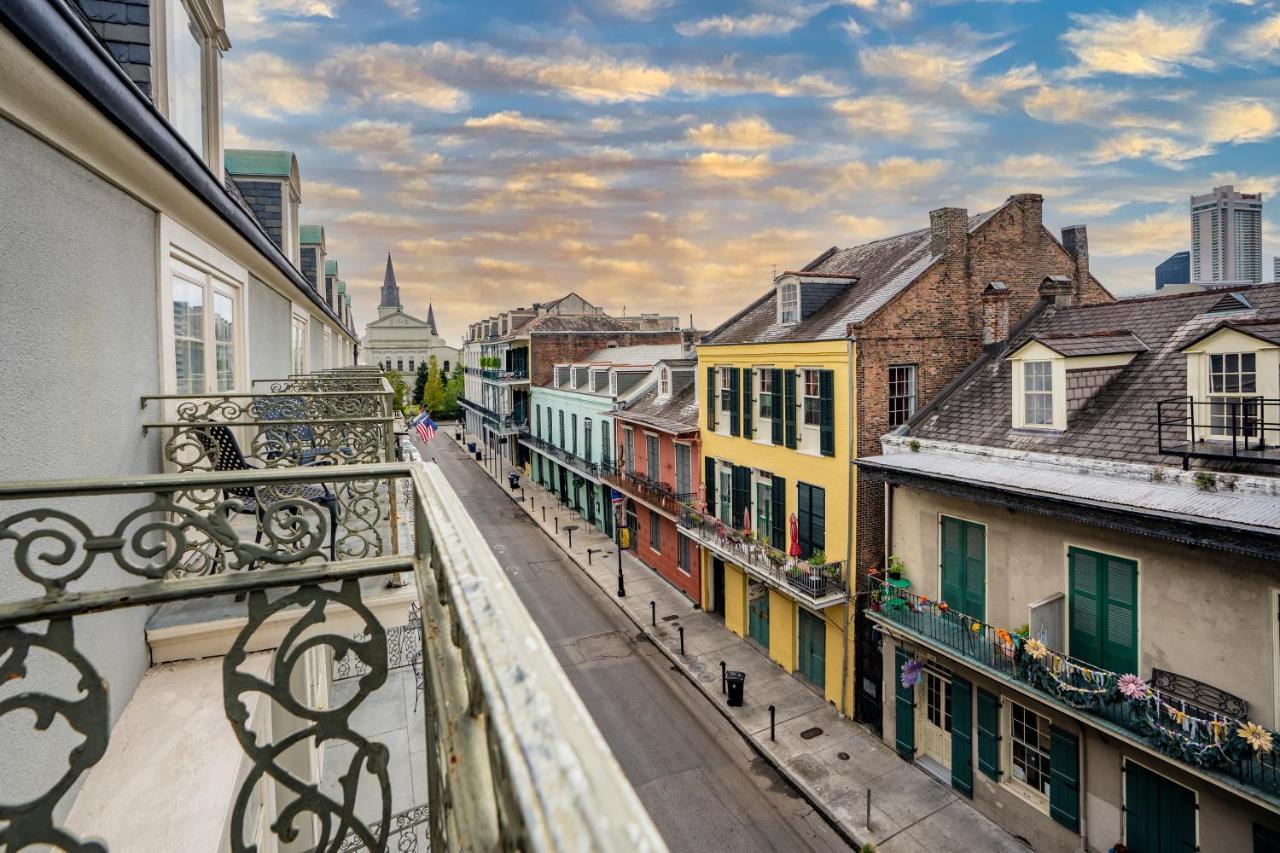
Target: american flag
{"points": [[425, 426]]}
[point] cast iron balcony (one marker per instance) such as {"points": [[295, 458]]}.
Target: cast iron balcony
{"points": [[594, 470], [1235, 429], [818, 585], [658, 495], [1085, 691]]}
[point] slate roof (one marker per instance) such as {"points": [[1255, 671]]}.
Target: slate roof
{"points": [[677, 414], [883, 268], [1119, 422], [1103, 343], [580, 323], [641, 354], [246, 161]]}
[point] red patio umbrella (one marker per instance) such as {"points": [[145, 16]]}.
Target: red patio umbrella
{"points": [[794, 550], [746, 521]]}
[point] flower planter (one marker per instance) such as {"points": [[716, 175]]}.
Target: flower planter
{"points": [[813, 585]]}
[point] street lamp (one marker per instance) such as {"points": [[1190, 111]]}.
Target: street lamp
{"points": [[622, 589]]}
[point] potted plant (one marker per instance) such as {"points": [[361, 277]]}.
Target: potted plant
{"points": [[895, 568]]}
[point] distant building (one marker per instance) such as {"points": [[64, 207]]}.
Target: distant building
{"points": [[1275, 268], [1226, 236], [399, 341], [1175, 269]]}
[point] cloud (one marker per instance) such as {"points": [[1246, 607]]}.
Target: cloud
{"points": [[1070, 104], [934, 67], [1141, 46], [606, 124], [369, 137], [892, 173], [1240, 120], [324, 194], [511, 120], [1162, 231], [255, 20], [751, 26], [264, 85], [501, 265], [744, 167], [635, 10], [1165, 150], [745, 134], [1263, 37], [1234, 121], [891, 116], [860, 229], [368, 74]]}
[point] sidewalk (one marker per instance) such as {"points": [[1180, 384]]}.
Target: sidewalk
{"points": [[831, 761]]}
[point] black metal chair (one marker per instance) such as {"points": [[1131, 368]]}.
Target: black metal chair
{"points": [[220, 443]]}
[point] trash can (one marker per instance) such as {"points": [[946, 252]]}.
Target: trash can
{"points": [[737, 682], [471, 446], [479, 456], [514, 479]]}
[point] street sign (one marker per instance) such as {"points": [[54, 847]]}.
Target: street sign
{"points": [[616, 497]]}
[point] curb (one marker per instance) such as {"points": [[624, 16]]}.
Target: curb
{"points": [[809, 795]]}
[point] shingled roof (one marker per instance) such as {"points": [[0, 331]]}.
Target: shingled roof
{"points": [[883, 268], [1119, 421], [677, 414]]}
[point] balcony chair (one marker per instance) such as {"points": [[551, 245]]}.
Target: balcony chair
{"points": [[220, 443], [293, 409]]}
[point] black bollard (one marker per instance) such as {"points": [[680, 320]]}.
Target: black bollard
{"points": [[653, 614], [557, 524], [569, 530], [772, 712], [682, 639], [544, 513], [724, 687]]}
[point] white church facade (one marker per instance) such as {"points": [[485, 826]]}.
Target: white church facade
{"points": [[398, 340]]}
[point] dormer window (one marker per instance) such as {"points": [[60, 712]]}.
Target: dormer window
{"points": [[189, 39], [1233, 379], [1037, 395], [613, 383], [789, 302], [664, 383], [1057, 375]]}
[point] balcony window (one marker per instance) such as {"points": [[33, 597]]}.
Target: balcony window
{"points": [[765, 395], [812, 399], [186, 76], [683, 560], [205, 344], [764, 511], [684, 469], [586, 437], [1029, 750], [573, 434], [224, 341], [726, 497], [188, 335], [652, 460], [902, 393], [1037, 393], [1232, 378], [629, 449], [655, 531], [812, 518], [1102, 621]]}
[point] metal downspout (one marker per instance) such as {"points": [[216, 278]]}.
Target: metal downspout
{"points": [[851, 579], [1084, 777]]}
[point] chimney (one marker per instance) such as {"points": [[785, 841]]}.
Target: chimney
{"points": [[1031, 206], [1057, 290], [1075, 239], [948, 230], [995, 314]]}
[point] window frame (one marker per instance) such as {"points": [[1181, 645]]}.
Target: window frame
{"points": [[682, 448], [664, 383], [1026, 392], [807, 410], [653, 457], [683, 556], [899, 415], [788, 308], [1220, 422], [655, 531], [192, 260], [1022, 788], [764, 396]]}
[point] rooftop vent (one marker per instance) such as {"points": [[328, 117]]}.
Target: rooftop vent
{"points": [[1230, 303]]}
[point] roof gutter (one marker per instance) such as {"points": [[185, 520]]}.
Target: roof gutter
{"points": [[62, 42]]}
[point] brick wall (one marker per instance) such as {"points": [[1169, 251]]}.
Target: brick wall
{"points": [[124, 27], [265, 198], [937, 325], [664, 561], [551, 348]]}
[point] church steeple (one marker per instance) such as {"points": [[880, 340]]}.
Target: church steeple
{"points": [[390, 290], [431, 318]]}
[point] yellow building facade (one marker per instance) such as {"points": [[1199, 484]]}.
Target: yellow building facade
{"points": [[798, 466]]}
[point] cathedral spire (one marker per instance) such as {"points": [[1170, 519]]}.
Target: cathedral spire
{"points": [[431, 318], [390, 290]]}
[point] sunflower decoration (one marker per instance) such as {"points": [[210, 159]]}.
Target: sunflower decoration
{"points": [[1256, 736], [1036, 649], [976, 627]]}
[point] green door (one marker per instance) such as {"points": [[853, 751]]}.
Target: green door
{"points": [[1103, 610], [1159, 815], [813, 648], [964, 566], [758, 613]]}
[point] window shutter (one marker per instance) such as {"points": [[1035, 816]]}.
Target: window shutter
{"points": [[748, 400], [989, 734], [904, 709], [962, 735], [779, 534], [775, 405], [1084, 622], [709, 483], [741, 498], [735, 392], [827, 406], [789, 406], [1064, 778], [711, 398], [975, 571], [1120, 640], [953, 562]]}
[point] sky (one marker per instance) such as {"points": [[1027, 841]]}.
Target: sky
{"points": [[669, 155]]}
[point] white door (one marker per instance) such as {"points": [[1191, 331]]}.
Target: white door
{"points": [[934, 722]]}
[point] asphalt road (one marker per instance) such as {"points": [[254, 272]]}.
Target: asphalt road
{"points": [[704, 786]]}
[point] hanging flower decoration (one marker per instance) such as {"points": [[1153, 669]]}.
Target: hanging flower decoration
{"points": [[1036, 649], [1004, 636], [1256, 736], [942, 605], [1133, 687], [976, 627], [912, 671]]}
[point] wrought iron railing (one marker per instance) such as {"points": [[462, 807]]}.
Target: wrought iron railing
{"points": [[653, 493], [512, 760], [821, 584], [1241, 429], [1159, 718], [594, 470]]}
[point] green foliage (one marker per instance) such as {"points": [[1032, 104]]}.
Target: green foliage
{"points": [[818, 558], [420, 383], [452, 391], [433, 390], [1205, 482], [399, 389]]}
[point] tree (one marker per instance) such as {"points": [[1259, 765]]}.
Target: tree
{"points": [[420, 383], [453, 391], [399, 389], [433, 390]]}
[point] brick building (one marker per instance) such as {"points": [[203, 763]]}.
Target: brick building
{"points": [[659, 470]]}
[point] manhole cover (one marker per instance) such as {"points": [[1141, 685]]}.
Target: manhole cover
{"points": [[669, 618], [843, 756], [810, 734]]}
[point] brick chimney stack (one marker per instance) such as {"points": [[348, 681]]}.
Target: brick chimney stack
{"points": [[1031, 206], [995, 314], [949, 231], [1075, 239], [1057, 290]]}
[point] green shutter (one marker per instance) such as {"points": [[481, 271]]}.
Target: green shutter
{"points": [[827, 405], [904, 709], [775, 405], [1158, 814], [975, 571], [709, 483], [735, 402], [1064, 778], [1120, 639], [989, 734], [778, 538], [953, 562], [1177, 818], [741, 497], [748, 401], [962, 736], [789, 406], [1265, 840], [711, 399], [1085, 619]]}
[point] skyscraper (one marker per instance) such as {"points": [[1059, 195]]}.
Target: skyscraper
{"points": [[1226, 236], [1175, 269], [1275, 268]]}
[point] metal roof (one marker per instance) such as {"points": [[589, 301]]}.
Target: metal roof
{"points": [[310, 235], [247, 161]]}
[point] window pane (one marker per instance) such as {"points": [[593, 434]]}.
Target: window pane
{"points": [[224, 340], [188, 336], [186, 84]]}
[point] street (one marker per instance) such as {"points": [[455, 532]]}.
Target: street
{"points": [[705, 788]]}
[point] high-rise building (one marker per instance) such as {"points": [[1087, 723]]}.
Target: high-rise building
{"points": [[1175, 269], [1226, 236], [1275, 268]]}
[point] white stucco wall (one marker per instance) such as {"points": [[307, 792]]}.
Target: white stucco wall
{"points": [[80, 333], [317, 345], [269, 332]]}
